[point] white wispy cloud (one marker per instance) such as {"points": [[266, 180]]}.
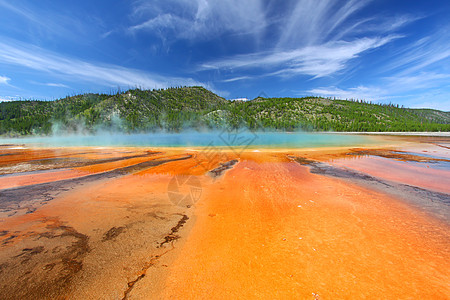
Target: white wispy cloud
{"points": [[388, 87], [359, 92], [375, 25], [240, 99], [106, 34], [313, 22], [389, 24], [72, 69], [191, 19], [56, 85], [316, 38], [419, 80], [434, 98], [236, 78], [51, 84], [45, 22], [417, 90], [429, 51], [416, 74], [317, 61], [4, 79]]}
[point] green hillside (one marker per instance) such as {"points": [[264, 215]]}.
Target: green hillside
{"points": [[130, 111], [339, 115], [175, 109]]}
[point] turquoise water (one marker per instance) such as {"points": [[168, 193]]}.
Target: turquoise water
{"points": [[201, 139]]}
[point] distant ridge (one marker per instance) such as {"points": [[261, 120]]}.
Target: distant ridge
{"points": [[175, 109]]}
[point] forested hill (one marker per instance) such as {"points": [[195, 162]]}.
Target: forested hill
{"points": [[175, 109]]}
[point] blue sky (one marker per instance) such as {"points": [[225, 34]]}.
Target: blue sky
{"points": [[381, 50]]}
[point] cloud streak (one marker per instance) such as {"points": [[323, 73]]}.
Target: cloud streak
{"points": [[236, 79], [198, 19], [359, 92], [316, 61], [317, 38], [56, 85], [389, 87], [4, 80], [78, 70], [423, 53], [313, 22], [417, 89], [45, 22]]}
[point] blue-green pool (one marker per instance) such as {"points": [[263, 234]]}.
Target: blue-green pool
{"points": [[240, 138]]}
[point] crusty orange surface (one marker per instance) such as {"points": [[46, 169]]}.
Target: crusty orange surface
{"points": [[273, 230], [266, 227]]}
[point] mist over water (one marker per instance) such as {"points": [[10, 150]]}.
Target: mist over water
{"points": [[240, 138]]}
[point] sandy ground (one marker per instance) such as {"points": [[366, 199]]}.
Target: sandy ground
{"points": [[170, 223]]}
